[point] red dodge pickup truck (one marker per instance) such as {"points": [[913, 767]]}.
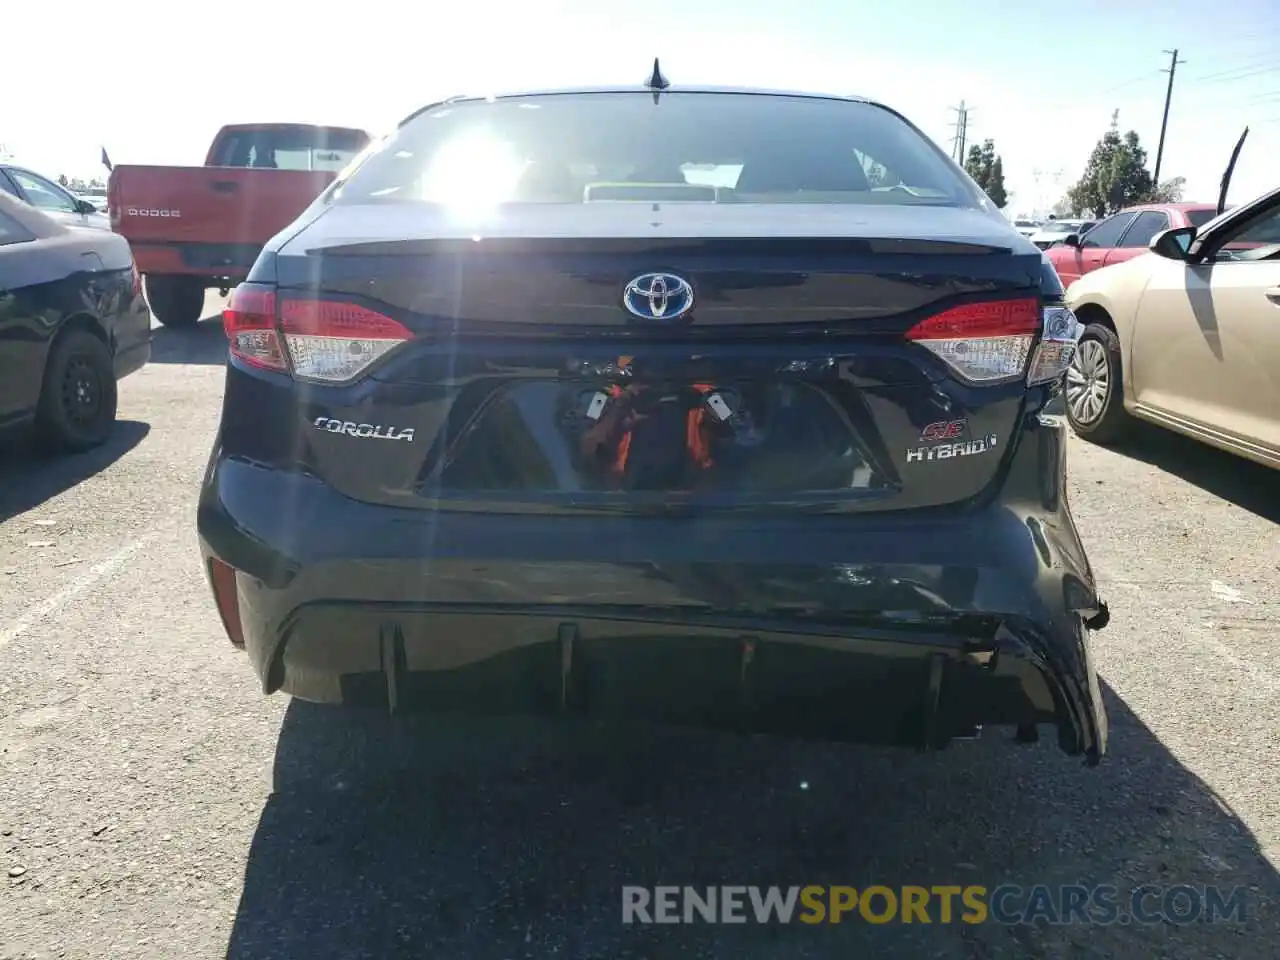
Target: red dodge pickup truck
{"points": [[193, 228]]}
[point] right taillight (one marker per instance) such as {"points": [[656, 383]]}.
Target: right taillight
{"points": [[992, 342], [326, 340], [1057, 345]]}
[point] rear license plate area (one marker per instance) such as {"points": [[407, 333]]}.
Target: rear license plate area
{"points": [[624, 437]]}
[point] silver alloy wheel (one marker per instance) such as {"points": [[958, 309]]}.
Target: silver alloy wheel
{"points": [[1088, 382]]}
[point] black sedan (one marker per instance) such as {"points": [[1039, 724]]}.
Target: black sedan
{"points": [[721, 407], [72, 323]]}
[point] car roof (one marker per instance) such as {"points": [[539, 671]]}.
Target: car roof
{"points": [[644, 90], [701, 88], [1180, 207]]}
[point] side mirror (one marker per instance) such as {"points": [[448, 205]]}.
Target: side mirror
{"points": [[1072, 240], [1173, 244], [84, 206]]}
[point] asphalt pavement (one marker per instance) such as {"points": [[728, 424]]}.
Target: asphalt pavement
{"points": [[154, 804]]}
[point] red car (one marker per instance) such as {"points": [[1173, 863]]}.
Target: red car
{"points": [[1123, 236], [195, 228]]}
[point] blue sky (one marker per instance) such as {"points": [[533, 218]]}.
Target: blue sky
{"points": [[1042, 79]]}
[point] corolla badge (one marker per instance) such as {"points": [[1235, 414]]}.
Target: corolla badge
{"points": [[375, 431], [658, 296]]}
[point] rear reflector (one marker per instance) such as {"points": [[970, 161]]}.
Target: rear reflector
{"points": [[326, 340], [991, 342], [222, 578]]}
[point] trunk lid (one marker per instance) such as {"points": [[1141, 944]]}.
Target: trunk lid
{"points": [[528, 385]]}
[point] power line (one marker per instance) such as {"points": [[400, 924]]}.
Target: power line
{"points": [[1236, 73], [1164, 121]]}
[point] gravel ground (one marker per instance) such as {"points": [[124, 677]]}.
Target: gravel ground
{"points": [[154, 804]]}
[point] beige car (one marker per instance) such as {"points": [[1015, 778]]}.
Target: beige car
{"points": [[1186, 336]]}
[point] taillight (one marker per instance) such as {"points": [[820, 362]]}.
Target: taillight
{"points": [[991, 342], [1057, 345], [325, 340], [137, 280], [334, 341], [249, 321]]}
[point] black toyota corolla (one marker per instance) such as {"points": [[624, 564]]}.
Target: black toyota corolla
{"points": [[714, 407]]}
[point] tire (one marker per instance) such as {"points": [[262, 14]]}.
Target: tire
{"points": [[1097, 415], [77, 407], [176, 301]]}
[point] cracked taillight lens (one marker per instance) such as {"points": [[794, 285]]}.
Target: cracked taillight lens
{"points": [[993, 342]]}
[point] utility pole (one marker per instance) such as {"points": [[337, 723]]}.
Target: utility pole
{"points": [[1164, 122], [962, 129]]}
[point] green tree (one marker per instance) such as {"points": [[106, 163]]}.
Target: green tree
{"points": [[1116, 175], [1171, 191], [62, 179], [987, 169]]}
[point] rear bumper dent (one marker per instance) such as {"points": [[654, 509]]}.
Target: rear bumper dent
{"points": [[897, 627], [916, 686]]}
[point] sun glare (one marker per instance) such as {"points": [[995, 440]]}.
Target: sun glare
{"points": [[472, 174]]}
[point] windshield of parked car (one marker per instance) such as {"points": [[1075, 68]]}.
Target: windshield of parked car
{"points": [[717, 147], [1061, 226]]}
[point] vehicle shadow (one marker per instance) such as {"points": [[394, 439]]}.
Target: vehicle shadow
{"points": [[29, 477], [424, 838], [1248, 485], [205, 344]]}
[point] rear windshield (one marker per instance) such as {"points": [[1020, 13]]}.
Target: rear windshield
{"points": [[289, 149], [1198, 218], [698, 147]]}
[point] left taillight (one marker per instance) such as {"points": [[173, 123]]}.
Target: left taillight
{"points": [[325, 340], [249, 321]]}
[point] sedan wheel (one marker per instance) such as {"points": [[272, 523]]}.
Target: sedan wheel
{"points": [[1095, 386], [78, 400], [1088, 383]]}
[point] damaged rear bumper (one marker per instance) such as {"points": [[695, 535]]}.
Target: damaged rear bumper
{"points": [[921, 683], [876, 629]]}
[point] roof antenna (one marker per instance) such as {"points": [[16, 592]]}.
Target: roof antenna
{"points": [[657, 82]]}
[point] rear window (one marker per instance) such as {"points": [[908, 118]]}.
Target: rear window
{"points": [[284, 149], [708, 147], [1198, 218]]}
